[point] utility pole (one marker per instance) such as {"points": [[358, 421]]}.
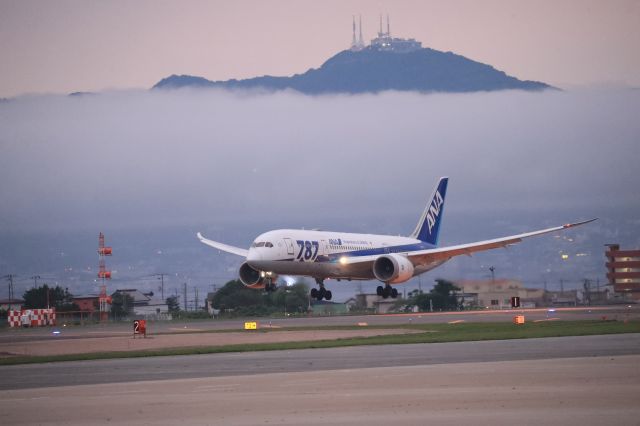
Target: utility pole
{"points": [[587, 291], [35, 279], [185, 296], [493, 275], [561, 287], [195, 308], [161, 278], [10, 278]]}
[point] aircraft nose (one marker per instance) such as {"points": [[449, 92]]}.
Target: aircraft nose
{"points": [[254, 255]]}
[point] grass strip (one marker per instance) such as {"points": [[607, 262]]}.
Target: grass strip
{"points": [[432, 333]]}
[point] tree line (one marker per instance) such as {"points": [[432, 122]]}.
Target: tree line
{"points": [[235, 299]]}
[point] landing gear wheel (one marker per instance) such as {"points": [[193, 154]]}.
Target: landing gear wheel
{"points": [[320, 293], [386, 292], [380, 290], [394, 293]]}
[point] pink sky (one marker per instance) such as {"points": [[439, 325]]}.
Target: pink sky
{"points": [[66, 46]]}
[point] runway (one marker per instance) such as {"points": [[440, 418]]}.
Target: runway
{"points": [[358, 357], [572, 380]]}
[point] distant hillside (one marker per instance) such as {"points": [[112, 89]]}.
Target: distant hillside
{"points": [[371, 71]]}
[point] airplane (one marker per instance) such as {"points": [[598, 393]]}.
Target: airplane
{"points": [[346, 256]]}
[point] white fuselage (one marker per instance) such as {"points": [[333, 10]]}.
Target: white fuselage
{"points": [[322, 254]]}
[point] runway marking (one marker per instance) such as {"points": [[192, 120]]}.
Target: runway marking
{"points": [[456, 321], [547, 319], [185, 330]]}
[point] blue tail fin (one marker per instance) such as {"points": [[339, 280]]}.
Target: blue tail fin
{"points": [[429, 224]]}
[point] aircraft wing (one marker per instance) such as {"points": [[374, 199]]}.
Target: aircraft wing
{"points": [[224, 247], [444, 253]]}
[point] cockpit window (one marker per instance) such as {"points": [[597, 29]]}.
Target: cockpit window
{"points": [[262, 244]]}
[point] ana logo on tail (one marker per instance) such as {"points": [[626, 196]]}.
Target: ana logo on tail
{"points": [[434, 210]]}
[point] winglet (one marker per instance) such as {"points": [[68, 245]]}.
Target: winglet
{"points": [[571, 225], [428, 226]]}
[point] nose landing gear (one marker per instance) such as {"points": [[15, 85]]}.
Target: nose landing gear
{"points": [[320, 293]]}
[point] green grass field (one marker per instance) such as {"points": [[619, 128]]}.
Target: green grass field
{"points": [[427, 333]]}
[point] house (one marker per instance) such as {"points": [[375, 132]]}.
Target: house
{"points": [[11, 304], [145, 304], [87, 302]]}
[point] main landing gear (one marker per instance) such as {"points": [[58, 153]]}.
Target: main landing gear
{"points": [[386, 291], [320, 293]]}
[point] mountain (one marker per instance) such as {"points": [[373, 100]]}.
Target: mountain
{"points": [[371, 70]]}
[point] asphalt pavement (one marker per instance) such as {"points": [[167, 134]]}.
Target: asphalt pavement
{"points": [[304, 360]]}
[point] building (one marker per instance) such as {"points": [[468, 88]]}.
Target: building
{"points": [[384, 41], [11, 304], [87, 302], [623, 271], [325, 307], [497, 294], [209, 305], [144, 304], [369, 302]]}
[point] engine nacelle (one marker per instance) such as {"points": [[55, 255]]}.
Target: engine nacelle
{"points": [[251, 277], [392, 268], [254, 278]]}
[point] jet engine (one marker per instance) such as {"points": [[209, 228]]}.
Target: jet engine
{"points": [[392, 268], [254, 278], [250, 277]]}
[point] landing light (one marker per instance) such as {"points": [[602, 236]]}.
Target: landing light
{"points": [[343, 260]]}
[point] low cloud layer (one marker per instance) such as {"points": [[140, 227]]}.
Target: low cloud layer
{"points": [[135, 159], [152, 168]]}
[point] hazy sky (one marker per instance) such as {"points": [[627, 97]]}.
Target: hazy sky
{"points": [[65, 46]]}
